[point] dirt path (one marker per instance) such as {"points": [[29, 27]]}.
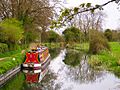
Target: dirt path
{"points": [[2, 58]]}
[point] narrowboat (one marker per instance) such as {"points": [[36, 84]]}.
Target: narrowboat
{"points": [[37, 59]]}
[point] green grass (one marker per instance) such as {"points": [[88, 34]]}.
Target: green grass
{"points": [[9, 62], [8, 54], [82, 47], [52, 45], [109, 60]]}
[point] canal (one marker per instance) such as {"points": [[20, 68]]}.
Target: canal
{"points": [[68, 70]]}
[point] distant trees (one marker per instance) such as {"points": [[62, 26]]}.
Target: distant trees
{"points": [[72, 35], [87, 20], [112, 35], [52, 36], [108, 34]]}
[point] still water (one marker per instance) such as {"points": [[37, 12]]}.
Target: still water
{"points": [[68, 70]]}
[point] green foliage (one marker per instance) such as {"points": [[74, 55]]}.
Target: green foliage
{"points": [[82, 5], [108, 60], [3, 47], [9, 53], [115, 36], [76, 9], [72, 35], [54, 52], [51, 45], [66, 12], [88, 5], [79, 46], [108, 34], [9, 63], [30, 36], [53, 37], [72, 58], [11, 31], [98, 42], [15, 83], [112, 35]]}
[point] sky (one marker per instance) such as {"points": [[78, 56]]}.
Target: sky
{"points": [[112, 20]]}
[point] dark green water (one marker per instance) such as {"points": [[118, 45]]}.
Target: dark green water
{"points": [[68, 70]]}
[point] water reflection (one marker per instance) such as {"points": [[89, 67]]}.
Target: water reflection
{"points": [[72, 58], [54, 52], [81, 77], [34, 76], [33, 79]]}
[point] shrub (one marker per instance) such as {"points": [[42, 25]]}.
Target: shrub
{"points": [[98, 42], [3, 47]]}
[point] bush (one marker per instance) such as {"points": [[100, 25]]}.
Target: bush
{"points": [[11, 32], [73, 35], [3, 47], [98, 42]]}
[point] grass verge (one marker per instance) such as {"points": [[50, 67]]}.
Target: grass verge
{"points": [[109, 60], [11, 62]]}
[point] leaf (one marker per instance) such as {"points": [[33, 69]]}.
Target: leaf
{"points": [[51, 27], [82, 5], [92, 11], [66, 12], [60, 18], [88, 5], [76, 9]]}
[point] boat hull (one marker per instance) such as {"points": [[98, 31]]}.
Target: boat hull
{"points": [[41, 65]]}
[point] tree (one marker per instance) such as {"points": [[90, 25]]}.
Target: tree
{"points": [[115, 36], [108, 34], [53, 37], [33, 13], [87, 21], [37, 12], [11, 31], [68, 14], [72, 35]]}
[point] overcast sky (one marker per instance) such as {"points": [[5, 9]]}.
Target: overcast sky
{"points": [[113, 14]]}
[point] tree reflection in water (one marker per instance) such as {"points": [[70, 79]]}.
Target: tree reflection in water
{"points": [[66, 77], [81, 72]]}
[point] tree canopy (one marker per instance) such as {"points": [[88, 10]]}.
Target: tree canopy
{"points": [[11, 31], [72, 34], [52, 36], [37, 12]]}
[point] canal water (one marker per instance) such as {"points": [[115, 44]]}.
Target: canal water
{"points": [[68, 70]]}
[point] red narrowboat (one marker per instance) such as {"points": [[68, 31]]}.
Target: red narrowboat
{"points": [[37, 59]]}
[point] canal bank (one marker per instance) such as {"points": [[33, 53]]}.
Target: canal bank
{"points": [[8, 75], [65, 74]]}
